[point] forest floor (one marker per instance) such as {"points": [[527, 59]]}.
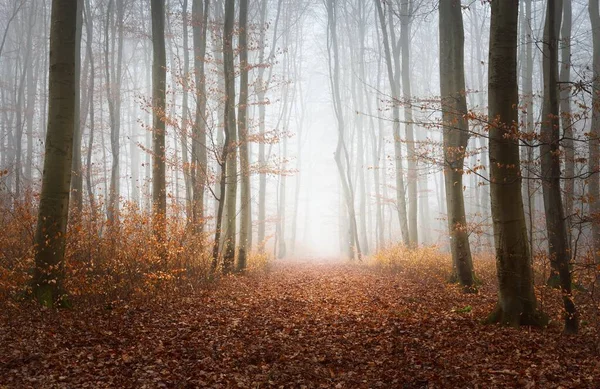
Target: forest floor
{"points": [[313, 325]]}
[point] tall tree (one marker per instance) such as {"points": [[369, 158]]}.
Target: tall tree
{"points": [[393, 70], [89, 26], [50, 237], [113, 67], [20, 101], [260, 94], [565, 108], [229, 196], [200, 12], [558, 244], [262, 85], [528, 103], [376, 143], [594, 143], [245, 213], [342, 158], [406, 14], [32, 81], [159, 82], [517, 304], [187, 171], [456, 134], [77, 179]]}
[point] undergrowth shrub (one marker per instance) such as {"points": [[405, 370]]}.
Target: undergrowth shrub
{"points": [[111, 262], [423, 261], [258, 260], [432, 263], [17, 231]]}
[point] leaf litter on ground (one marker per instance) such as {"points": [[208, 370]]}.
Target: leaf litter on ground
{"points": [[302, 325]]}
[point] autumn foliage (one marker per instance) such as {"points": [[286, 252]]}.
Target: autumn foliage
{"points": [[393, 323], [108, 263]]}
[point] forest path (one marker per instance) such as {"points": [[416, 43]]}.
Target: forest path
{"points": [[298, 324]]}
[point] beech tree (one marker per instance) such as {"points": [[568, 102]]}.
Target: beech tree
{"points": [[47, 282], [594, 141], [159, 82], [245, 213], [342, 159], [228, 161], [456, 135], [113, 67], [567, 121], [406, 14], [200, 11], [393, 71], [517, 304], [550, 154]]}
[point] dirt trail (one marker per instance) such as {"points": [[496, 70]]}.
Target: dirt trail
{"points": [[298, 325]]}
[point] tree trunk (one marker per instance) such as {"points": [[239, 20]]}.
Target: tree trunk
{"points": [[149, 134], [400, 192], [77, 179], [527, 71], [50, 237], [594, 143], [88, 171], [550, 135], [31, 97], [21, 103], [159, 82], [114, 30], [230, 194], [300, 115], [565, 111], [245, 213], [517, 303], [342, 158], [185, 119], [260, 95], [199, 155], [262, 87], [358, 98], [456, 135], [483, 141], [406, 12]]}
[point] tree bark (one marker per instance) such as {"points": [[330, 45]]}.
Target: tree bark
{"points": [[159, 82], [528, 104], [406, 11], [88, 174], [246, 211], [21, 103], [342, 159], [400, 191], [185, 119], [456, 135], [558, 245], [565, 110], [200, 12], [262, 87], [261, 91], [517, 303], [230, 194], [50, 237], [77, 179], [114, 31], [31, 97], [594, 142]]}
